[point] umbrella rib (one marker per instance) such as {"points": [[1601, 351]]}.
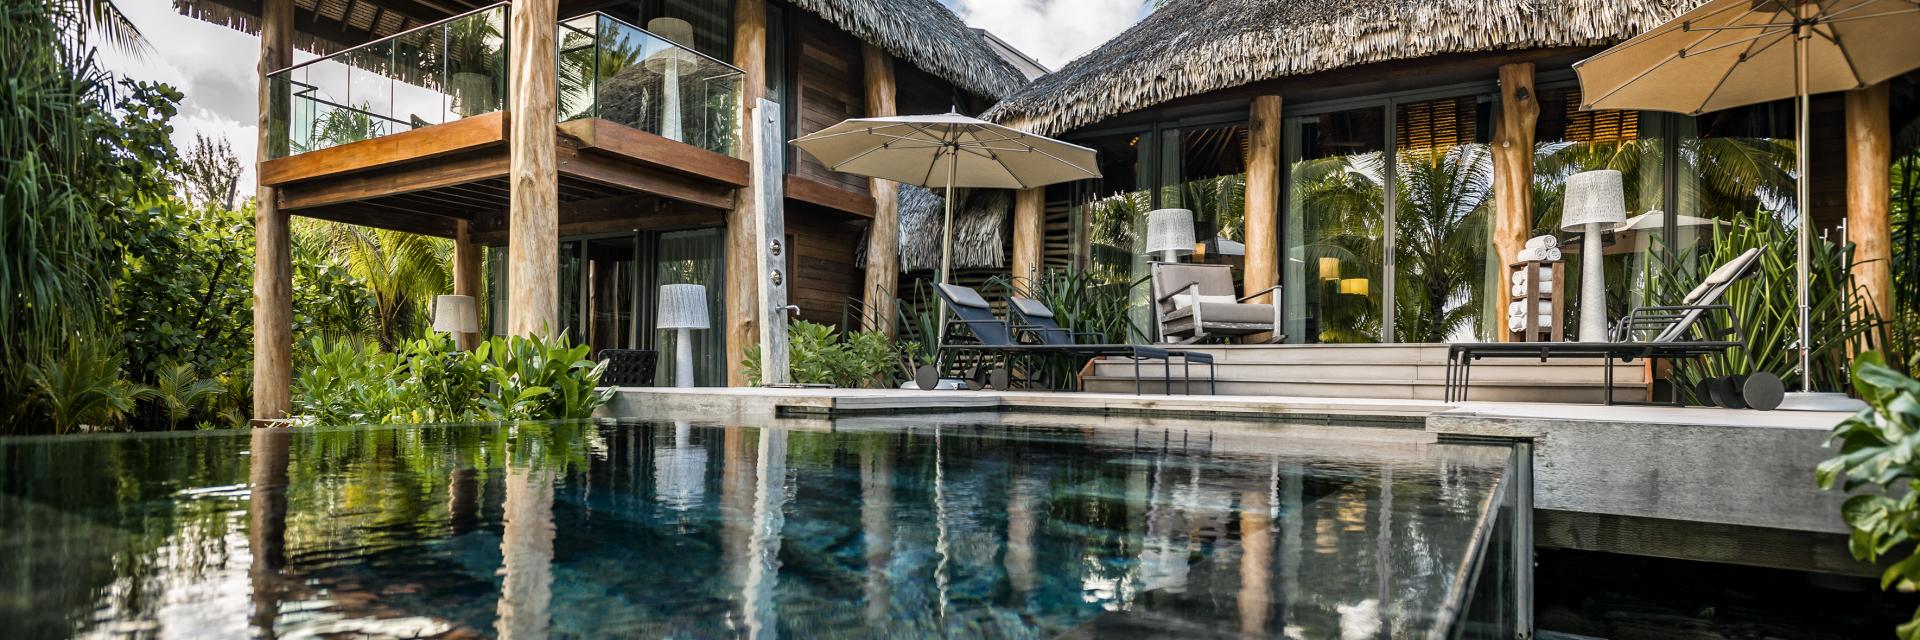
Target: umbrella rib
{"points": [[1845, 55], [836, 166], [1681, 53], [1683, 27], [1732, 43], [1870, 16]]}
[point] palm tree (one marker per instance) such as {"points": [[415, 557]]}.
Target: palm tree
{"points": [[79, 18], [402, 271], [1441, 242]]}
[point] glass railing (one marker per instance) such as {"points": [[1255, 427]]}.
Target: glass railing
{"points": [[624, 74], [432, 74]]}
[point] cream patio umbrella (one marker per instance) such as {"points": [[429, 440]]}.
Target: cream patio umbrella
{"points": [[1729, 53], [947, 150]]}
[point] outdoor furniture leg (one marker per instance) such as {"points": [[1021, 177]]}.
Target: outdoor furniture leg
{"points": [[1213, 381], [1166, 375], [1186, 376], [1607, 388], [1136, 375]]}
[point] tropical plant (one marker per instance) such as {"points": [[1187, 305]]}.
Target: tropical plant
{"points": [[84, 388], [1080, 302], [540, 379], [821, 354], [210, 173], [1880, 450], [1441, 241], [427, 381], [1767, 306], [401, 272], [180, 391], [184, 288], [1342, 205]]}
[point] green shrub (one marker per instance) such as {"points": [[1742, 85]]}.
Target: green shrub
{"points": [[426, 380], [820, 354], [1080, 302], [1880, 449]]}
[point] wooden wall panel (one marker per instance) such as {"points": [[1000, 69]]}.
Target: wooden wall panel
{"points": [[830, 86], [824, 275]]}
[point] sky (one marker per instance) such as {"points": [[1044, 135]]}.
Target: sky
{"points": [[214, 65]]}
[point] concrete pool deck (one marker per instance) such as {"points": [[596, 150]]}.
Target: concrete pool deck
{"points": [[1693, 483]]}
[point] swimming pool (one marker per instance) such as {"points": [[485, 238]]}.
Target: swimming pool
{"points": [[858, 528]]}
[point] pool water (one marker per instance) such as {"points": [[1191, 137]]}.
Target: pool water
{"points": [[864, 528]]}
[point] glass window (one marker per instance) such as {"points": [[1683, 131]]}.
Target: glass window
{"points": [[1444, 176], [610, 286], [1210, 167], [1736, 162], [1112, 216], [1335, 226]]}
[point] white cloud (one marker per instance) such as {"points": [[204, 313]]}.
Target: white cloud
{"points": [[211, 64], [1051, 31]]}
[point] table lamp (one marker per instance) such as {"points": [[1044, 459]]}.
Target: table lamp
{"points": [[1594, 202], [683, 307]]}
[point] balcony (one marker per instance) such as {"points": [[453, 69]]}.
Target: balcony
{"points": [[457, 69]]}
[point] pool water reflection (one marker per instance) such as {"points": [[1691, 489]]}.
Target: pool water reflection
{"points": [[873, 528]]}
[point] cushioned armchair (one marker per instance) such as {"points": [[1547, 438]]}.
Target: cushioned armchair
{"points": [[1195, 301]]}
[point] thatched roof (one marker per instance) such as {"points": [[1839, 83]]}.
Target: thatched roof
{"points": [[1191, 47], [979, 221], [922, 32]]}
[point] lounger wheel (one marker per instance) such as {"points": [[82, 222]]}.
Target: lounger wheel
{"points": [[1763, 391], [927, 377], [998, 378], [1703, 391], [1726, 391]]}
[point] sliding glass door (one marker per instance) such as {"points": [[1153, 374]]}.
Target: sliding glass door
{"points": [[1336, 226], [696, 256]]}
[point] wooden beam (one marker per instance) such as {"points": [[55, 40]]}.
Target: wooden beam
{"points": [[1870, 194], [608, 171], [1029, 229], [687, 218], [1262, 232], [533, 249], [273, 261], [466, 277], [750, 55], [380, 216], [603, 136], [1513, 172], [813, 191], [446, 172], [466, 134], [883, 237]]}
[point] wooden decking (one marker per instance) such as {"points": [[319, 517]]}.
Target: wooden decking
{"points": [[612, 177]]}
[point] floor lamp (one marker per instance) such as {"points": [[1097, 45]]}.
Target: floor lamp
{"points": [[683, 308], [1594, 202]]}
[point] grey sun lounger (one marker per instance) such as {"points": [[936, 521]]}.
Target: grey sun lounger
{"points": [[991, 335], [1038, 322], [1679, 331]]}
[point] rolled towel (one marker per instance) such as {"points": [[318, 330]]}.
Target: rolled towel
{"points": [[1518, 308], [1542, 242], [1520, 275], [1540, 254], [1520, 324], [1520, 290]]}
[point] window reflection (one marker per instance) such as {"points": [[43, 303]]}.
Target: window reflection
{"points": [[1570, 141], [1336, 226], [1444, 180]]}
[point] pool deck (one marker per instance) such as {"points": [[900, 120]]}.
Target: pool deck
{"points": [[1694, 483]]}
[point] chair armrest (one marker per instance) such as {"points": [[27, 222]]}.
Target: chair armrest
{"points": [[1261, 292]]}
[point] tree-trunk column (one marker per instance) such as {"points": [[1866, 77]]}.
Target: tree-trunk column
{"points": [[1262, 230], [1029, 225], [883, 238], [1513, 174], [1870, 194], [466, 277], [272, 264], [750, 55], [533, 243]]}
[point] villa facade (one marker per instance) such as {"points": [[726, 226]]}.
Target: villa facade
{"points": [[585, 153]]}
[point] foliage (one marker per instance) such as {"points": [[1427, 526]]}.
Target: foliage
{"points": [[83, 388], [1080, 301], [180, 391], [210, 173], [821, 354], [1880, 449], [184, 291], [425, 380], [1767, 307], [1441, 241]]}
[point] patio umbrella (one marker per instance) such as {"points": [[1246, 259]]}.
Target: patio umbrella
{"points": [[1729, 53], [947, 150]]}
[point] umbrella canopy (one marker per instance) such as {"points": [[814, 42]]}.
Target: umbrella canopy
{"points": [[1730, 53], [947, 150], [1656, 220]]}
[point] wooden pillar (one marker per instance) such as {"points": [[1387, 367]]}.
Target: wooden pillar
{"points": [[750, 54], [1029, 226], [272, 262], [1512, 173], [466, 276], [1262, 232], [533, 242], [1870, 194], [883, 238]]}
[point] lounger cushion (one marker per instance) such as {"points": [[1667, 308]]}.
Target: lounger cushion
{"points": [[1235, 313], [1030, 308], [964, 296]]}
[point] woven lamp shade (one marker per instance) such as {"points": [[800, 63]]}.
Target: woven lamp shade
{"points": [[679, 32], [455, 314], [1593, 196], [683, 306], [1170, 230]]}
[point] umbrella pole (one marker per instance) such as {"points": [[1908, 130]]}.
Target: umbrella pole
{"points": [[946, 251], [1802, 202]]}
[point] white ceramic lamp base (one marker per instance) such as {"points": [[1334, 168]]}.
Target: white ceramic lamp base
{"points": [[683, 358]]}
